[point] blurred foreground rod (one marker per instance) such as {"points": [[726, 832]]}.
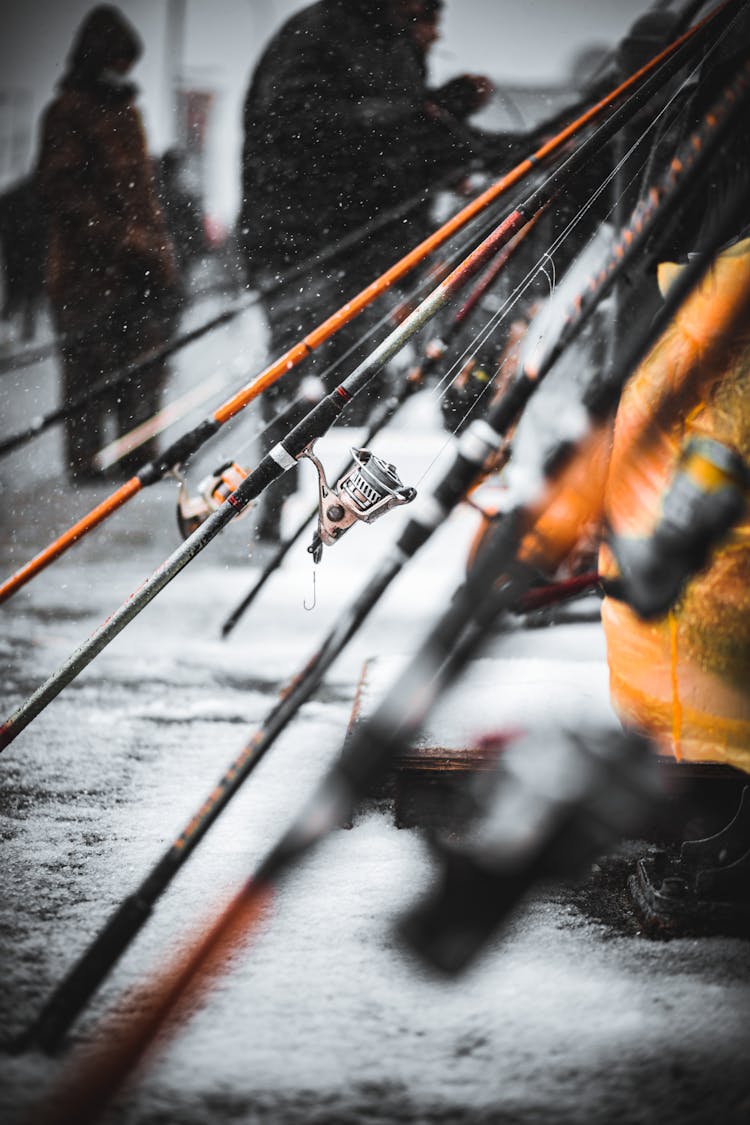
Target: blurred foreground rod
{"points": [[636, 89], [480, 444], [298, 442], [502, 576]]}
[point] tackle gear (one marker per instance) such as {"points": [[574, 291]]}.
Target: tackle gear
{"points": [[369, 489], [380, 417], [213, 490], [446, 650], [423, 682], [636, 89], [286, 453]]}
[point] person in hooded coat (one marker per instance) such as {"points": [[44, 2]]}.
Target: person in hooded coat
{"points": [[340, 126], [110, 271]]}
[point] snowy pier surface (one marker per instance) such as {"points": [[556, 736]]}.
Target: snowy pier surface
{"points": [[572, 1016]]}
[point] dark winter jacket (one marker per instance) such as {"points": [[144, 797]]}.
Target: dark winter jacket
{"points": [[23, 248], [108, 241], [335, 130]]}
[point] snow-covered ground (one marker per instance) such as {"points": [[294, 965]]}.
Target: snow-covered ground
{"points": [[572, 1016]]}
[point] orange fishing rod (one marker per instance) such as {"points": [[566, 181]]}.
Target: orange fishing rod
{"points": [[189, 443]]}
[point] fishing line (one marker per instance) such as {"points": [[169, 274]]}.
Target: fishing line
{"points": [[424, 284], [490, 326], [499, 314], [493, 323]]}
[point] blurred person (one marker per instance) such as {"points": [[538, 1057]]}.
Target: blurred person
{"points": [[182, 207], [110, 273], [462, 96], [23, 250], [340, 126]]}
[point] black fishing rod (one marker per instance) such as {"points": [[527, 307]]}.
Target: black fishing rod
{"points": [[433, 353], [299, 441], [498, 582], [480, 442], [383, 414]]}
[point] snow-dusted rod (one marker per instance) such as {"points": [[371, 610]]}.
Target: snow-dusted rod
{"points": [[299, 441], [656, 71], [380, 417], [480, 442], [433, 353], [439, 661]]}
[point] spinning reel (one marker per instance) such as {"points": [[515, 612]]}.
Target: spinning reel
{"points": [[365, 492], [212, 492]]}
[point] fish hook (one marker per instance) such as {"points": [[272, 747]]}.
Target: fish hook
{"points": [[315, 597]]}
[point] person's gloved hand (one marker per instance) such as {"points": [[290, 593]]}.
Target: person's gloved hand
{"points": [[464, 95]]}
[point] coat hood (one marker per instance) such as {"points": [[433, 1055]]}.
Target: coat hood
{"points": [[105, 37]]}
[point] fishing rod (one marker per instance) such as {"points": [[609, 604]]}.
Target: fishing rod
{"points": [[175, 410], [379, 419], [300, 440], [479, 443], [152, 356], [448, 647], [350, 241], [433, 353], [665, 63]]}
